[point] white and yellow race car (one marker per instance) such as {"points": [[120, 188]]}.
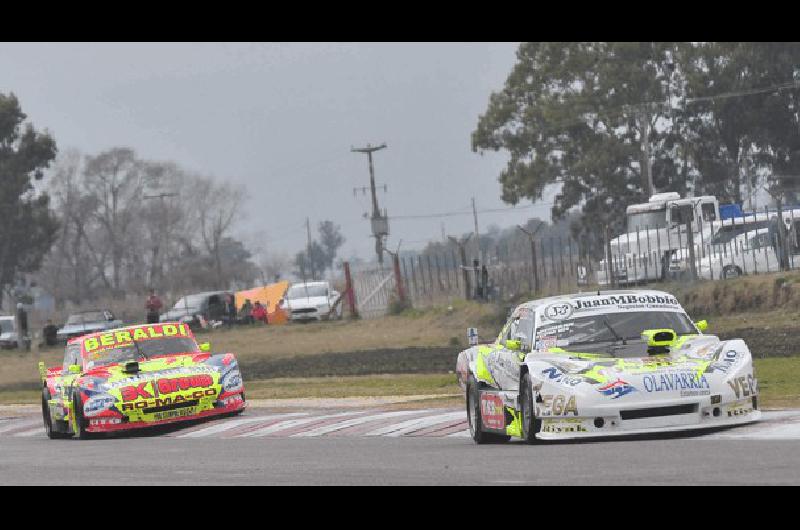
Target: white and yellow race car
{"points": [[605, 364]]}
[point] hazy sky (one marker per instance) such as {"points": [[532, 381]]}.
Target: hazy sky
{"points": [[281, 118]]}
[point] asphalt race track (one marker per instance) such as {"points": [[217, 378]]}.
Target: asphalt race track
{"points": [[375, 447]]}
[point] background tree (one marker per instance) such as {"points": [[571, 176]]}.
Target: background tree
{"points": [[218, 205], [28, 225], [115, 177], [593, 117], [315, 260]]}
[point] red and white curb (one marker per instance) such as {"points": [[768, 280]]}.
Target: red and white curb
{"points": [[436, 423]]}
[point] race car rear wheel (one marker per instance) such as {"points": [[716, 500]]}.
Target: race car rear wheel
{"points": [[48, 421], [474, 416], [530, 424]]}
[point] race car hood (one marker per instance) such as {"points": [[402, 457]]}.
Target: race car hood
{"points": [[180, 380], [699, 366]]}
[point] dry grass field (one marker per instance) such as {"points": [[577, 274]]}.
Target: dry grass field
{"points": [[348, 358]]}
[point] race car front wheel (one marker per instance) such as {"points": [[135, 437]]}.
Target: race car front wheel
{"points": [[80, 420], [474, 417], [530, 425], [48, 421]]}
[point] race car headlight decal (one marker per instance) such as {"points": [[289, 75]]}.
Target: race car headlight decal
{"points": [[97, 404], [232, 381]]}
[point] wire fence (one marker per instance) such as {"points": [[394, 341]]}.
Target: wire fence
{"points": [[692, 248]]}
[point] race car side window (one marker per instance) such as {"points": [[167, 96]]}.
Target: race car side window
{"points": [[521, 323], [72, 355], [525, 327]]}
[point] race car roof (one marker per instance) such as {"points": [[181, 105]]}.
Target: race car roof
{"points": [[533, 304]]}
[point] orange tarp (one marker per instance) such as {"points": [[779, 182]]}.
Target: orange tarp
{"points": [[269, 296]]}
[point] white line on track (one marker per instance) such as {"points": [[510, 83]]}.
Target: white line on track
{"points": [[20, 424], [405, 427], [232, 424], [39, 429], [290, 424], [325, 429]]}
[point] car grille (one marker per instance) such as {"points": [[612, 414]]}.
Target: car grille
{"points": [[174, 406], [654, 412], [303, 310]]}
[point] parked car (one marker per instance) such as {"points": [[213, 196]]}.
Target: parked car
{"points": [[191, 308], [747, 253], [79, 324], [313, 301], [8, 332]]}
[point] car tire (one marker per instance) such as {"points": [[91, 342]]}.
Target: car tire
{"points": [[731, 271], [48, 421], [530, 424], [474, 417], [80, 420]]}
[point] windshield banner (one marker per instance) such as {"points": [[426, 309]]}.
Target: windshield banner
{"points": [[617, 303], [117, 338]]}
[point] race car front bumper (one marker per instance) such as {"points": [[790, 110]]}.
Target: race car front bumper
{"points": [[232, 404], [683, 417]]}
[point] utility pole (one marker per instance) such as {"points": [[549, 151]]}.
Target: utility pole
{"points": [[531, 235], [380, 223], [157, 242], [477, 234], [647, 167], [464, 269], [308, 249]]}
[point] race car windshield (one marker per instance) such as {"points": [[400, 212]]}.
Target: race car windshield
{"points": [[140, 350], [611, 328], [303, 291]]}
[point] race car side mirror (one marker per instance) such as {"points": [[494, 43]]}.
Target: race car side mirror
{"points": [[702, 325], [205, 346], [74, 369], [513, 345]]}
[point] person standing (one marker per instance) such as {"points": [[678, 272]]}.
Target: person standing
{"points": [[22, 328], [246, 312], [154, 306], [230, 310], [259, 313], [50, 334]]}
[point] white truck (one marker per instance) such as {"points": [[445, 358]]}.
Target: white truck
{"points": [[656, 244], [656, 230]]}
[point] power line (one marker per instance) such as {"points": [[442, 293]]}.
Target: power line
{"points": [[470, 212]]}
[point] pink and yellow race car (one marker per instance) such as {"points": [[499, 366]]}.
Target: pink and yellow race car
{"points": [[137, 376]]}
